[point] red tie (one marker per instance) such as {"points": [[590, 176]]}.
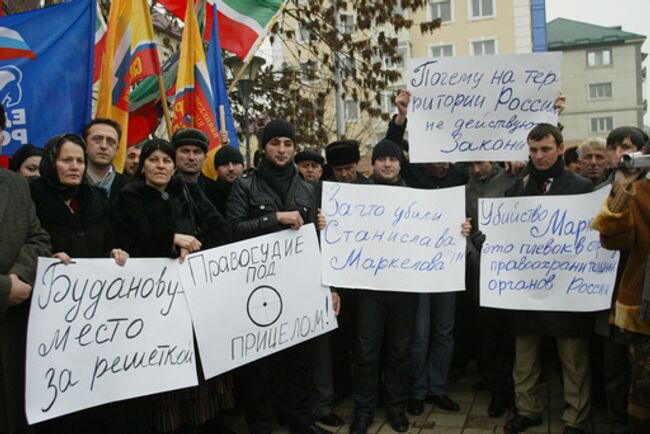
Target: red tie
{"points": [[544, 186]]}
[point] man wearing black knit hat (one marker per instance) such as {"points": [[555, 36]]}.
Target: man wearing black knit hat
{"points": [[191, 147], [310, 164], [383, 316], [270, 199], [230, 165]]}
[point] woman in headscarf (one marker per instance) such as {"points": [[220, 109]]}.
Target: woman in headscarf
{"points": [[159, 215], [77, 218], [73, 212], [26, 161]]}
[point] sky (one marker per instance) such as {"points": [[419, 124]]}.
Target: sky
{"points": [[632, 15]]}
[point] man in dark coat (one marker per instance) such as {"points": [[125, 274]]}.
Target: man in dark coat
{"points": [[191, 145], [332, 369], [23, 241], [310, 164], [489, 180], [343, 158], [432, 348], [269, 199], [230, 165], [572, 330], [383, 316], [102, 136]]}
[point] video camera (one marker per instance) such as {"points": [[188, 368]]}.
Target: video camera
{"points": [[635, 160]]}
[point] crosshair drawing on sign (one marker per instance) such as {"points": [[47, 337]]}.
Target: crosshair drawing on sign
{"points": [[264, 306]]}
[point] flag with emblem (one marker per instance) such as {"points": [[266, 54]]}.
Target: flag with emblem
{"points": [[46, 70], [194, 99], [243, 24], [130, 56]]}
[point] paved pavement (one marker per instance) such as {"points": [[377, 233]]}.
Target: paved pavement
{"points": [[472, 419]]}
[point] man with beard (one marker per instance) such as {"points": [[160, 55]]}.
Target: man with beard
{"points": [[432, 347], [269, 199], [230, 165], [132, 161], [384, 318], [191, 147]]}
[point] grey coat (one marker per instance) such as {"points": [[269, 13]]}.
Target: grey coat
{"points": [[494, 186], [22, 240]]}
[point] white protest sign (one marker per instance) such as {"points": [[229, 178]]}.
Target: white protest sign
{"points": [[393, 238], [256, 297], [100, 333], [540, 253], [479, 108]]}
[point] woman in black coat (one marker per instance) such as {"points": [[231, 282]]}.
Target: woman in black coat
{"points": [[77, 218], [73, 212], [158, 215]]}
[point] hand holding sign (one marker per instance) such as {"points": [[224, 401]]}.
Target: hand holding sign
{"points": [[293, 219]]}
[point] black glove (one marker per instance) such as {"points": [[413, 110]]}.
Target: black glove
{"points": [[477, 238]]}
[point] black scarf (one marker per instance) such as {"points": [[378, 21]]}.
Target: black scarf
{"points": [[382, 181], [538, 177], [278, 177], [223, 185], [50, 174]]}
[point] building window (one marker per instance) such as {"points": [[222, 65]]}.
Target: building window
{"points": [[482, 8], [403, 51], [351, 110], [347, 62], [600, 90], [483, 48], [347, 23], [446, 50], [440, 9], [602, 125], [387, 103], [308, 71], [599, 57]]}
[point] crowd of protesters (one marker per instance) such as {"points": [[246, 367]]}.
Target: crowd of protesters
{"points": [[392, 349]]}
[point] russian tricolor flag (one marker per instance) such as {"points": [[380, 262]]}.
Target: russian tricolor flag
{"points": [[13, 46]]}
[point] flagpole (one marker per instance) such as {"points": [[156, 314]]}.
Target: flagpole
{"points": [[163, 100], [240, 73]]}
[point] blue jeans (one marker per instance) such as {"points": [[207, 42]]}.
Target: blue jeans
{"points": [[433, 344]]}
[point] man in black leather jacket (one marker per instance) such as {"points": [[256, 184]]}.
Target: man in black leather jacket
{"points": [[269, 199]]}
